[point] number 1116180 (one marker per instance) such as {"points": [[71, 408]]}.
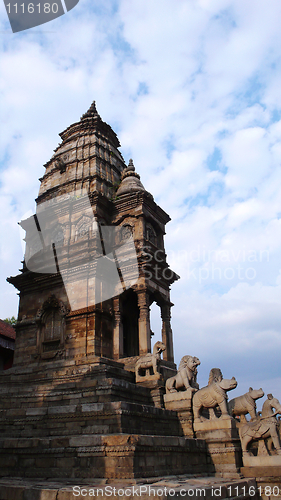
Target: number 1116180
{"points": [[32, 8], [267, 491]]}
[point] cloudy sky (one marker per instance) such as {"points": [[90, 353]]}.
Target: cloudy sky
{"points": [[192, 88]]}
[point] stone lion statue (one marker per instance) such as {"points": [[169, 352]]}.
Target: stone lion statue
{"points": [[186, 377], [149, 362], [213, 395]]}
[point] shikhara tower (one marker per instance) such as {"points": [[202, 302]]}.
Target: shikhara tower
{"points": [[66, 317]]}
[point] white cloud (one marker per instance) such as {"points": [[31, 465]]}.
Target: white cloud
{"points": [[247, 157]]}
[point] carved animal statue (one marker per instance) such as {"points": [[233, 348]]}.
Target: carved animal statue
{"points": [[186, 376], [149, 361], [215, 375], [262, 428], [213, 395], [240, 406]]}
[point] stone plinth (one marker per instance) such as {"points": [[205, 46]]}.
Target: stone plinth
{"points": [[268, 477], [156, 385], [178, 400], [262, 461], [148, 379], [224, 447], [217, 428], [181, 402], [156, 382]]}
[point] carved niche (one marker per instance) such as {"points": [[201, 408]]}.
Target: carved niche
{"points": [[83, 229], [126, 232], [51, 328], [151, 234]]}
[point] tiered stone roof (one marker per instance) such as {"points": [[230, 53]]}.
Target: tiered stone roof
{"points": [[87, 160]]}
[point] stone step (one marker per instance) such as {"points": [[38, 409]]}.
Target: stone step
{"points": [[84, 418], [164, 488]]}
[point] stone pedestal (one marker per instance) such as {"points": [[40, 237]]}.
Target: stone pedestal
{"points": [[146, 380], [224, 447], [156, 384], [181, 402], [267, 473], [262, 461]]}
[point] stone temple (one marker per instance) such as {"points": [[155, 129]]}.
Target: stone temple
{"points": [[88, 396]]}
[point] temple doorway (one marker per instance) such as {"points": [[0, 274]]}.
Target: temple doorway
{"points": [[130, 319]]}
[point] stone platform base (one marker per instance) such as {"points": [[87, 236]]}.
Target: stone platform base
{"points": [[88, 419], [164, 488], [224, 447], [181, 402], [116, 456], [156, 384]]}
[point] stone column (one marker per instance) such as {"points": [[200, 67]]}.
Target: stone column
{"points": [[167, 336], [144, 323], [117, 330]]}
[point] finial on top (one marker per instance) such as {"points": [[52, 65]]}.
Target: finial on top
{"points": [[92, 111], [130, 170], [130, 167]]}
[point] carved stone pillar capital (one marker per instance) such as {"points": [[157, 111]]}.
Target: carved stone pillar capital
{"points": [[143, 299], [166, 312], [116, 309]]}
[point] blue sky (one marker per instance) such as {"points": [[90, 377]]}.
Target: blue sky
{"points": [[192, 88]]}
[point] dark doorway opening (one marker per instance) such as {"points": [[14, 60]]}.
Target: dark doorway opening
{"points": [[130, 320]]}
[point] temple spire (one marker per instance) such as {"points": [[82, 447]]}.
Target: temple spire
{"points": [[92, 111]]}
